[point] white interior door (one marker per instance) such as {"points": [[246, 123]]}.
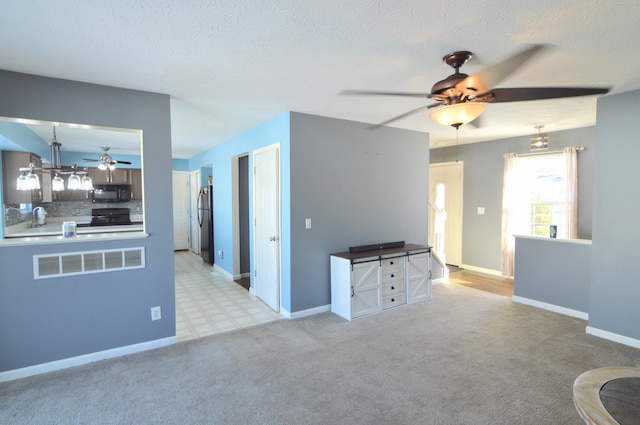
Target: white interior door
{"points": [[180, 210], [194, 186], [266, 163], [450, 176]]}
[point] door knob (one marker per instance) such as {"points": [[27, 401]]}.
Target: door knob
{"points": [[273, 238]]}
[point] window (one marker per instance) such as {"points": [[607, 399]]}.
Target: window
{"points": [[538, 191], [543, 180]]}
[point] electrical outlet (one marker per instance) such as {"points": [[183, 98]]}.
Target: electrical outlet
{"points": [[156, 313], [221, 254]]}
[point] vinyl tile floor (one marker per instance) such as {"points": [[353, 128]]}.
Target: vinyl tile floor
{"points": [[207, 302]]}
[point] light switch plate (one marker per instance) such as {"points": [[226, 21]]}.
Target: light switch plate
{"points": [[307, 223], [480, 210]]}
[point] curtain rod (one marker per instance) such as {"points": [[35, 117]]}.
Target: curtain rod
{"points": [[578, 148]]}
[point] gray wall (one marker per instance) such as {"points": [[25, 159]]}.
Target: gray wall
{"points": [[359, 187], [47, 320], [615, 287], [483, 170], [553, 271]]}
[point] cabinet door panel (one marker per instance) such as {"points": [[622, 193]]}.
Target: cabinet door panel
{"points": [[418, 281], [365, 297]]}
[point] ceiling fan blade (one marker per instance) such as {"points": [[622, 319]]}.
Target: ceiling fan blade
{"points": [[123, 162], [537, 93], [93, 160], [488, 78], [406, 114], [384, 93]]}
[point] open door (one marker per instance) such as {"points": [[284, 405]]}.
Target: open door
{"points": [[266, 163], [446, 179]]}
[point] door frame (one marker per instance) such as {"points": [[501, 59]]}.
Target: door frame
{"points": [[275, 146]]}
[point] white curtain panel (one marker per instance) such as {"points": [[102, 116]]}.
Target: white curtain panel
{"points": [[510, 203], [569, 224]]}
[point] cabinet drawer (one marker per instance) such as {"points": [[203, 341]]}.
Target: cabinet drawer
{"points": [[392, 288], [392, 300], [392, 263], [394, 275]]}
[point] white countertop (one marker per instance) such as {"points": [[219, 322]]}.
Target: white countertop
{"points": [[54, 228], [547, 239]]}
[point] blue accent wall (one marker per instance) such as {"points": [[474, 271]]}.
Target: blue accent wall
{"points": [[217, 162]]}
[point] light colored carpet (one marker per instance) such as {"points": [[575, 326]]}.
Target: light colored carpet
{"points": [[464, 357]]}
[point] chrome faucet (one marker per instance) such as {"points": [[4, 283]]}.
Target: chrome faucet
{"points": [[39, 217], [34, 217]]}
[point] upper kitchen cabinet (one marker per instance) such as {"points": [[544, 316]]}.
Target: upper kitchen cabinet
{"points": [[119, 175], [131, 176], [136, 183], [11, 164]]}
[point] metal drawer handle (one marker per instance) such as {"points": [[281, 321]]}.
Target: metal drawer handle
{"points": [[392, 300], [392, 276], [390, 262]]}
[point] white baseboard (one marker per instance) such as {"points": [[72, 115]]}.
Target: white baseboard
{"points": [[481, 270], [223, 272], [551, 307], [305, 313], [241, 276], [24, 372], [632, 342], [439, 281]]}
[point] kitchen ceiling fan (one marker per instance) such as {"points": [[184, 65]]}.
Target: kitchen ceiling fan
{"points": [[461, 98], [106, 161]]}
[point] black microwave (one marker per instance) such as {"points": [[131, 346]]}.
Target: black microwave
{"points": [[110, 193]]}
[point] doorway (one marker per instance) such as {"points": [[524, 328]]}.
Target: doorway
{"points": [[266, 207], [241, 224], [445, 216], [181, 211]]}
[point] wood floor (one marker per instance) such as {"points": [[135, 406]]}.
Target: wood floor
{"points": [[494, 284]]}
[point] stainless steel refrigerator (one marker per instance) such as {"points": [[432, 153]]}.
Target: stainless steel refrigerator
{"points": [[205, 219]]}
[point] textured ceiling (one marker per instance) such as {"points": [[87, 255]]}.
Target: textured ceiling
{"points": [[230, 65]]}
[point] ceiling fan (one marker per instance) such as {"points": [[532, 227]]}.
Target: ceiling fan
{"points": [[106, 161], [461, 98]]}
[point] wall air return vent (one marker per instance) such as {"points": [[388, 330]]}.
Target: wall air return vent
{"points": [[86, 262]]}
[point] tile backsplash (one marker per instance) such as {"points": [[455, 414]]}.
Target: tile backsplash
{"points": [[14, 215]]}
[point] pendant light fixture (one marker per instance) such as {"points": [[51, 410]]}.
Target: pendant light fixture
{"points": [[539, 142], [29, 179]]}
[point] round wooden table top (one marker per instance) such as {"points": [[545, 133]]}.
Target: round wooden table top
{"points": [[611, 385]]}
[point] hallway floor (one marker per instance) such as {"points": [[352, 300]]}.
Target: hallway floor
{"points": [[209, 303]]}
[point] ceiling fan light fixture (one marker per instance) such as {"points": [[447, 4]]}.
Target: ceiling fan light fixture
{"points": [[458, 114], [102, 166]]}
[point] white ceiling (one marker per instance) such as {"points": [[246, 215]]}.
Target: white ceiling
{"points": [[230, 65]]}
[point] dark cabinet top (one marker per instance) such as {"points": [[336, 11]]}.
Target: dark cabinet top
{"points": [[384, 252]]}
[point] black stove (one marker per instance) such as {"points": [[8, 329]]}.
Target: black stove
{"points": [[110, 217]]}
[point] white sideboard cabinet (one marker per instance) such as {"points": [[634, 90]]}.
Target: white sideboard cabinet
{"points": [[369, 280]]}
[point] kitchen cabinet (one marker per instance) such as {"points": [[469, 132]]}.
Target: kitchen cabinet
{"points": [[119, 175], [367, 282], [11, 163], [136, 183]]}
